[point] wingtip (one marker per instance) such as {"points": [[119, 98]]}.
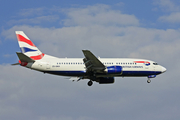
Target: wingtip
{"points": [[85, 50]]}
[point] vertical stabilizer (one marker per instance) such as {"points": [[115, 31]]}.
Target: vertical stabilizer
{"points": [[27, 46]]}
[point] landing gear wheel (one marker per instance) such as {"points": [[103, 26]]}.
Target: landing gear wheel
{"points": [[148, 81], [90, 83]]}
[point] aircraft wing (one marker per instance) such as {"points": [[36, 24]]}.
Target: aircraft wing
{"points": [[92, 63]]}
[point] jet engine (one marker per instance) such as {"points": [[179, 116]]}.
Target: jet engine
{"points": [[113, 70], [105, 80]]}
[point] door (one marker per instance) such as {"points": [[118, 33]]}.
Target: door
{"points": [[48, 66]]}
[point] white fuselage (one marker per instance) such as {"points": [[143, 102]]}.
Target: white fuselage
{"points": [[76, 67]]}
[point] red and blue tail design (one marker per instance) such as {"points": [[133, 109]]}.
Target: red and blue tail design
{"points": [[27, 46]]}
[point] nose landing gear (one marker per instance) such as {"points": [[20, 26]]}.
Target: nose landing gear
{"points": [[150, 76], [148, 81]]}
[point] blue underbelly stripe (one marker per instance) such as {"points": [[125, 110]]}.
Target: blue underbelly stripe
{"points": [[125, 73]]}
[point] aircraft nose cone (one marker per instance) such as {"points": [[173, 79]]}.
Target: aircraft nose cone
{"points": [[163, 69]]}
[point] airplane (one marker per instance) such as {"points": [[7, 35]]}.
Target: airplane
{"points": [[101, 70]]}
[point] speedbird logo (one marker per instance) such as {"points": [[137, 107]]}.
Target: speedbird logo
{"points": [[144, 62]]}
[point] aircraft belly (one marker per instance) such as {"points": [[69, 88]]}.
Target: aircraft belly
{"points": [[67, 71]]}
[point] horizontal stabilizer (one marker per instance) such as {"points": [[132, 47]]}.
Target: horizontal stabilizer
{"points": [[24, 58], [16, 64]]}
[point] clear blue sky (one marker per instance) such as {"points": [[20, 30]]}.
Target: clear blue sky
{"points": [[126, 28]]}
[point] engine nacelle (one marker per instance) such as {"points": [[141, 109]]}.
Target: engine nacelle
{"points": [[113, 70], [105, 80]]}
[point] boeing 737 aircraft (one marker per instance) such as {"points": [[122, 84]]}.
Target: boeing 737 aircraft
{"points": [[101, 70]]}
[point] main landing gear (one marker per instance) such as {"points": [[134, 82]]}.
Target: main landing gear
{"points": [[90, 83]]}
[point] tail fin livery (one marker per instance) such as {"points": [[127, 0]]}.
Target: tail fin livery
{"points": [[27, 46]]}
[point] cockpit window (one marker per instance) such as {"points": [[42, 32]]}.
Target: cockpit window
{"points": [[155, 63]]}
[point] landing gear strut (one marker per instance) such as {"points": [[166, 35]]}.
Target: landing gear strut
{"points": [[90, 83], [148, 81]]}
